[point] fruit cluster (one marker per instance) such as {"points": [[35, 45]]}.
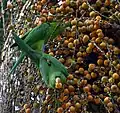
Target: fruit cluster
{"points": [[90, 51]]}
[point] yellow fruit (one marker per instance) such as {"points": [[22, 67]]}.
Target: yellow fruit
{"points": [[84, 5], [72, 109], [104, 79], [92, 14], [60, 110], [98, 18], [100, 35], [118, 84], [58, 85], [91, 66], [70, 45], [110, 104], [26, 106], [114, 88], [68, 104], [77, 105], [116, 50], [98, 40], [74, 22], [67, 2], [57, 10], [76, 42], [111, 80], [99, 31], [106, 62], [115, 76], [106, 89], [106, 100], [85, 38], [79, 54], [118, 99], [81, 70], [99, 61], [93, 75], [88, 50], [103, 45], [91, 45]]}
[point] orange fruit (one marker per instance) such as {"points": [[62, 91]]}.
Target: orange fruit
{"points": [[86, 89], [97, 100], [90, 97], [106, 62], [28, 110], [70, 77]]}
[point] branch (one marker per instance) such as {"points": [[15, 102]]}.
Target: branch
{"points": [[26, 5], [3, 18]]}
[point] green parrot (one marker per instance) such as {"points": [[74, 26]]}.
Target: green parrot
{"points": [[49, 66], [39, 36]]}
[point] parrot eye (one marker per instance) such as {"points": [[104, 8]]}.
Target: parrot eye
{"points": [[49, 62]]}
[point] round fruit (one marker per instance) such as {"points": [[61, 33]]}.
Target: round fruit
{"points": [[86, 89], [72, 109], [91, 66], [115, 76], [60, 110], [26, 106], [106, 100], [28, 110]]}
